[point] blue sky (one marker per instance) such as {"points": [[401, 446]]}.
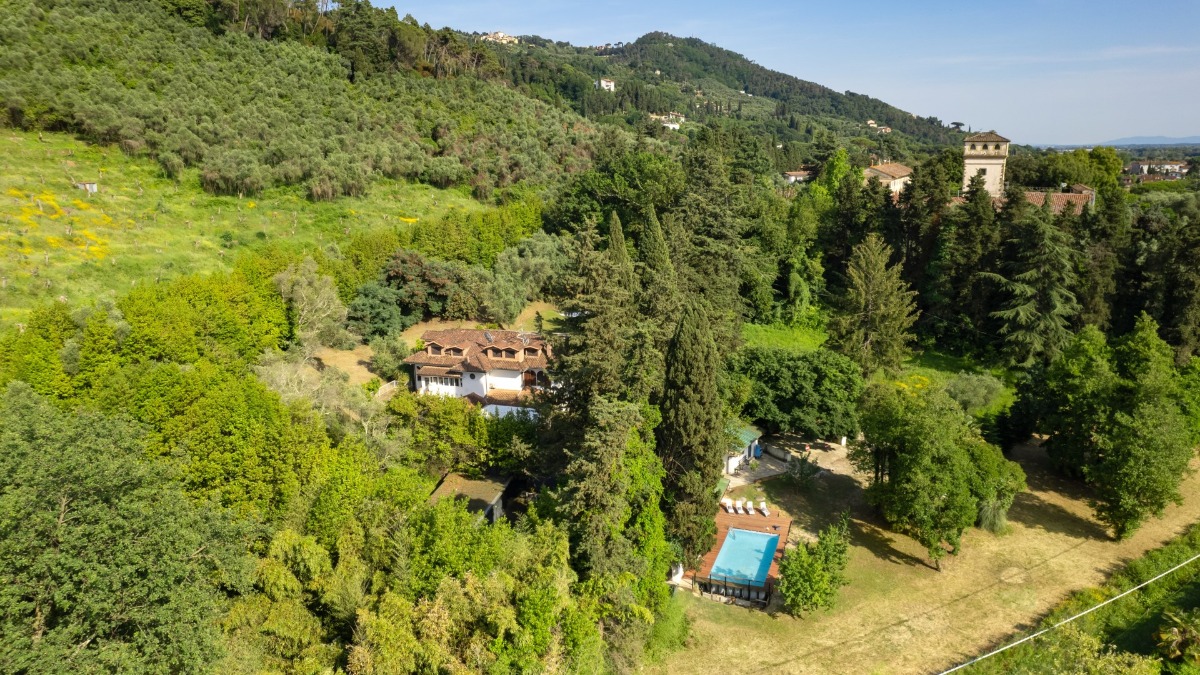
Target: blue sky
{"points": [[1038, 71]]}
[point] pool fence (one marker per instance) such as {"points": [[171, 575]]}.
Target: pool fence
{"points": [[735, 587]]}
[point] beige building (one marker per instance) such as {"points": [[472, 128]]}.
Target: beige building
{"points": [[894, 176], [986, 152]]}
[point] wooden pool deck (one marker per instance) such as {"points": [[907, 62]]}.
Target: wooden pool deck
{"points": [[772, 524]]}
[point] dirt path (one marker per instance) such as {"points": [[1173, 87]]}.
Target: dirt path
{"points": [[898, 615], [526, 321], [353, 362]]}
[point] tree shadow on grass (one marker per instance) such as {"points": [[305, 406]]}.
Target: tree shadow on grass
{"points": [[821, 505], [879, 542], [1033, 510]]}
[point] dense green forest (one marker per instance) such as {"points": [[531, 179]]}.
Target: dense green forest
{"points": [[184, 490]]}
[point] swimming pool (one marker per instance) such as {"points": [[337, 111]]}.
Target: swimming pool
{"points": [[745, 557]]}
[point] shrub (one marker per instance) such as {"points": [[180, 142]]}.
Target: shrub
{"points": [[802, 470], [811, 574], [973, 390]]}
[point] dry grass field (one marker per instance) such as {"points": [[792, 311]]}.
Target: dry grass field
{"points": [[899, 615]]}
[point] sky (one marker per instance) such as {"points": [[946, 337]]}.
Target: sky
{"points": [[1036, 71]]}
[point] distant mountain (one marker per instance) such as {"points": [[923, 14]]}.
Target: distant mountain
{"points": [[693, 59], [1154, 140]]}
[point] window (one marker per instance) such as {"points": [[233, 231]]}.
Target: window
{"points": [[510, 353], [983, 171], [972, 146], [443, 381], [453, 351], [435, 350], [996, 146], [530, 351]]}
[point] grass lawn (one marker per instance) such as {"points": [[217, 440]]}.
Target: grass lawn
{"points": [[783, 337], [59, 241], [899, 615]]}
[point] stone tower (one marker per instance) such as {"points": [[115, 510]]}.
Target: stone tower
{"points": [[985, 152]]}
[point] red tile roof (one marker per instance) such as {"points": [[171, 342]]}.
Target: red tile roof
{"points": [[891, 170], [986, 137], [1061, 201], [475, 342]]}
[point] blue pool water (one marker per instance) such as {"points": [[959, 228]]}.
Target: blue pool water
{"points": [[745, 557]]}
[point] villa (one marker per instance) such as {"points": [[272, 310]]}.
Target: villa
{"points": [[496, 369], [894, 176]]}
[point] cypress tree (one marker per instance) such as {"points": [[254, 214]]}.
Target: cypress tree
{"points": [[691, 438], [618, 255], [594, 345], [658, 292]]}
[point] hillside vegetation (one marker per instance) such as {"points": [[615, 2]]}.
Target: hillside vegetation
{"points": [[60, 242], [188, 485], [252, 114]]}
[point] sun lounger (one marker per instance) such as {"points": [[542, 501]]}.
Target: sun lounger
{"points": [[737, 506], [727, 503], [762, 506], [750, 507]]}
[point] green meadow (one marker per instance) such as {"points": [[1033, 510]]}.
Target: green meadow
{"points": [[58, 241]]}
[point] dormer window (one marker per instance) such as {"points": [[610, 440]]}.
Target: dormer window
{"points": [[435, 350], [510, 353], [530, 351]]}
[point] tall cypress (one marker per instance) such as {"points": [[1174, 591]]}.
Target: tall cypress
{"points": [[593, 348], [618, 255], [691, 438], [658, 291]]}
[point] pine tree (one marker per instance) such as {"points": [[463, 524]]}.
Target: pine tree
{"points": [[968, 245], [1039, 306], [874, 325], [1148, 448], [1183, 324], [691, 439]]}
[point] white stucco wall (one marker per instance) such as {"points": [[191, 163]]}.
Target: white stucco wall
{"points": [[478, 385], [897, 185], [504, 379], [993, 179]]}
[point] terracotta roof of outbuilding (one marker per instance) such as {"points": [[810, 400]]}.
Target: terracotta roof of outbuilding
{"points": [[510, 397], [1060, 201], [892, 169], [480, 492], [986, 137]]}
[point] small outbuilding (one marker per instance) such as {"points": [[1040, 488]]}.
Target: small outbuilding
{"points": [[745, 448], [484, 496]]}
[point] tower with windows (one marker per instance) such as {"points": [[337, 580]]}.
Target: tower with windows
{"points": [[987, 153]]}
